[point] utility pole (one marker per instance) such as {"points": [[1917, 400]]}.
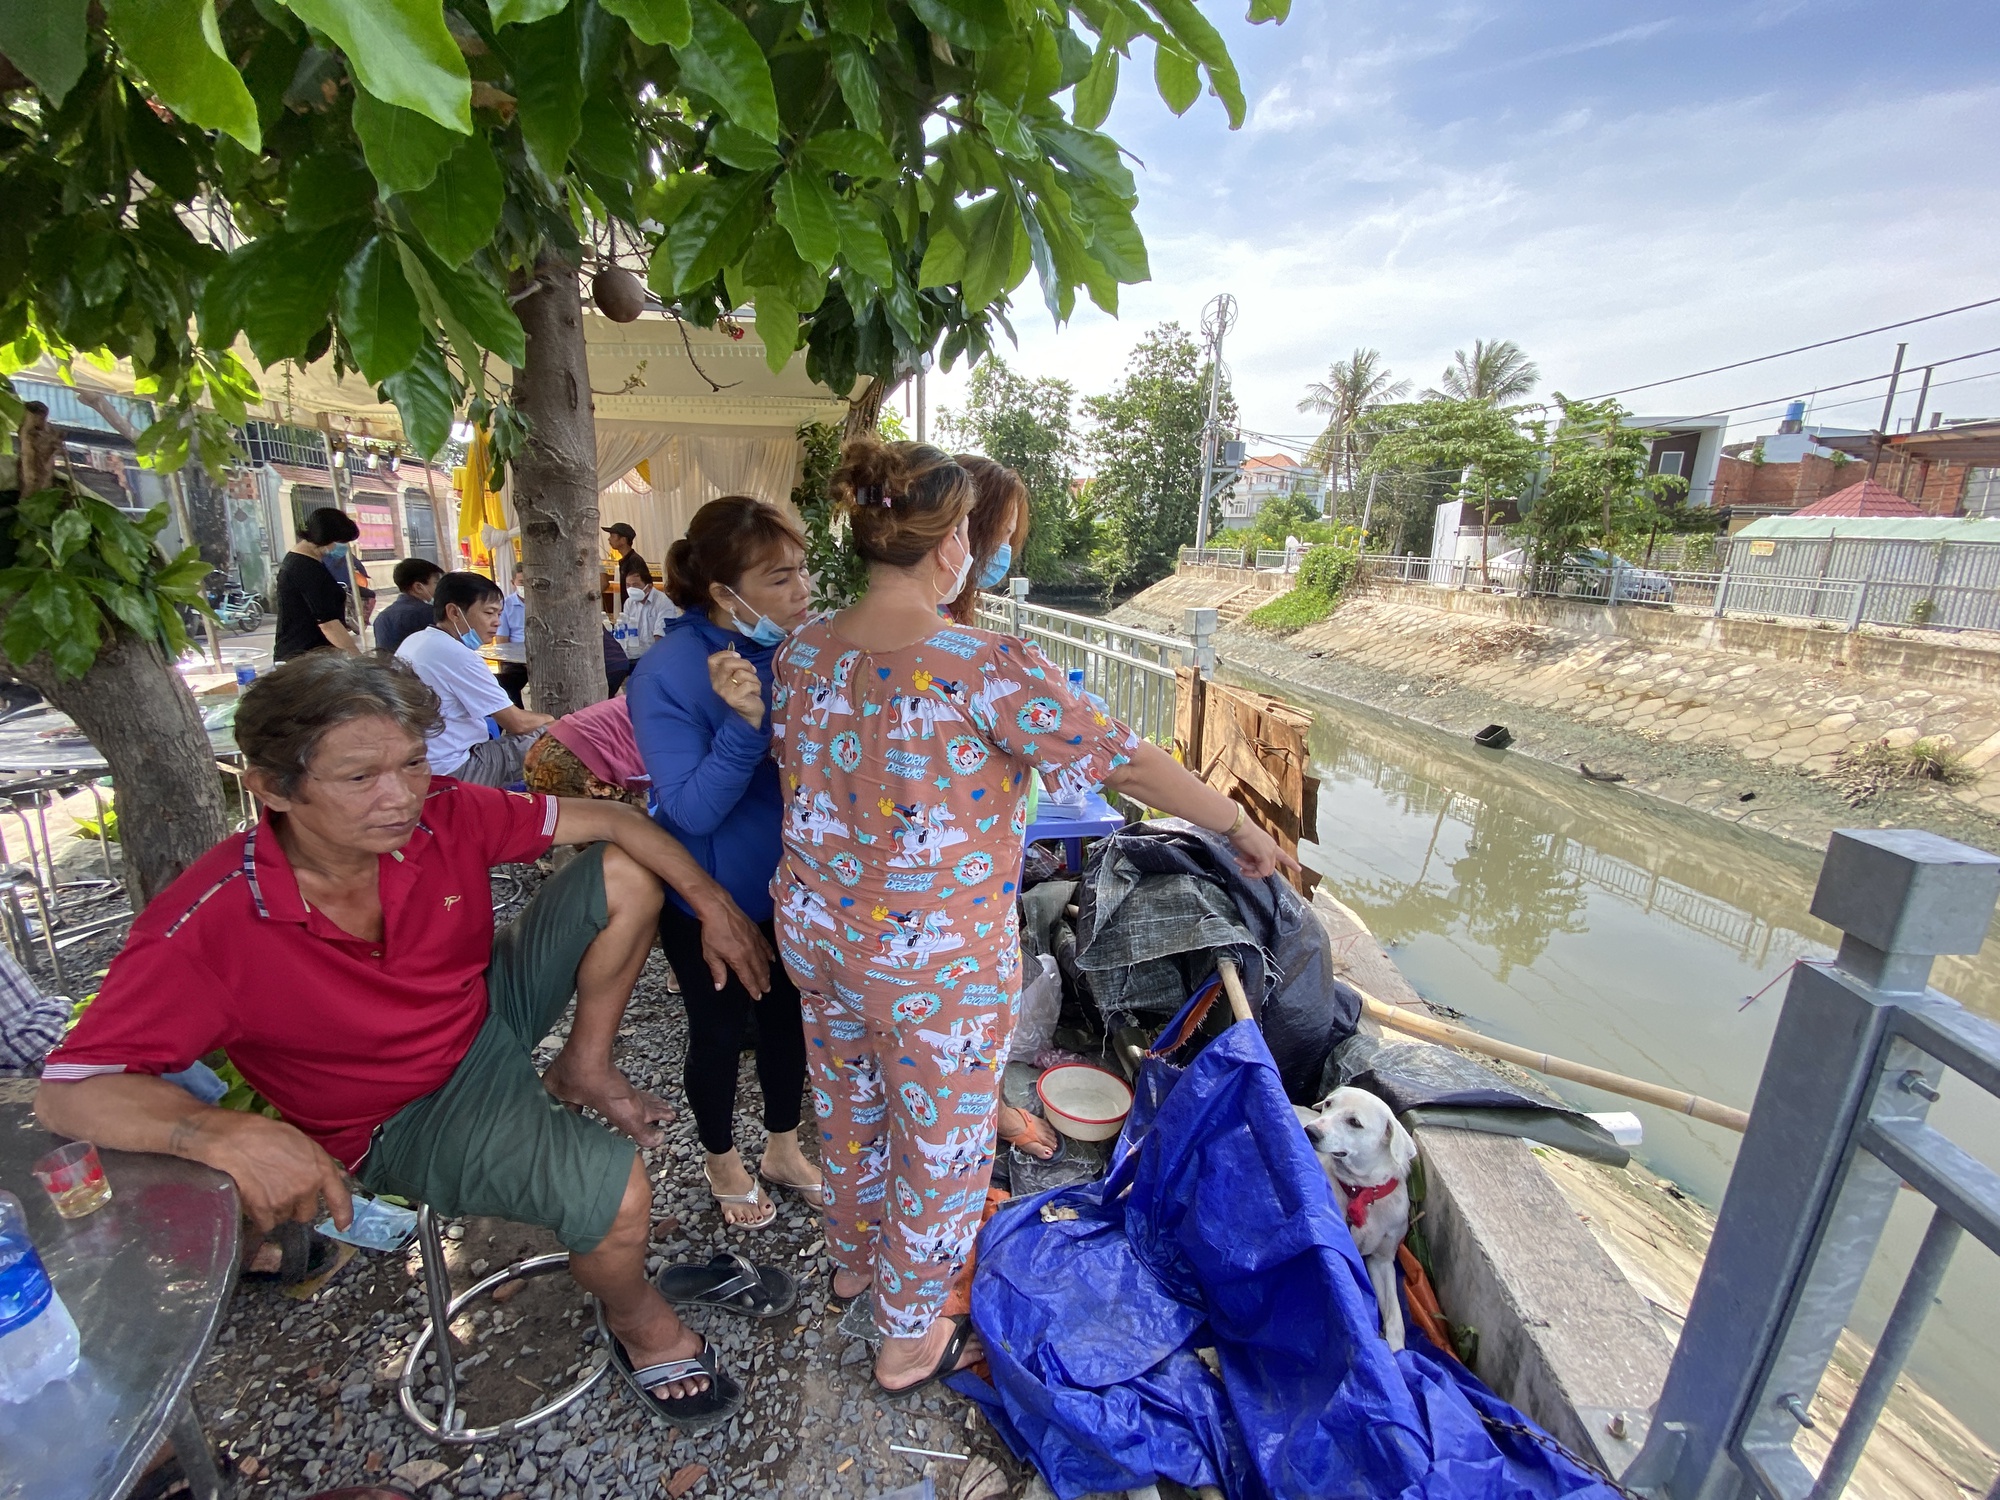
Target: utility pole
{"points": [[923, 433], [1368, 508], [1216, 320], [1888, 405]]}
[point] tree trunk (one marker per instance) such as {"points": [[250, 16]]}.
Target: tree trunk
{"points": [[555, 494], [134, 707], [865, 410]]}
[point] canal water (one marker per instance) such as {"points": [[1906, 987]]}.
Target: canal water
{"points": [[1595, 923]]}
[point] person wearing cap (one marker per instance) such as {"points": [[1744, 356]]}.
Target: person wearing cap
{"points": [[629, 560]]}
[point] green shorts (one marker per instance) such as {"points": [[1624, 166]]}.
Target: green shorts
{"points": [[492, 1140]]}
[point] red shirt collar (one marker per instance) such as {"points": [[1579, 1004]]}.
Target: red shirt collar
{"points": [[274, 886]]}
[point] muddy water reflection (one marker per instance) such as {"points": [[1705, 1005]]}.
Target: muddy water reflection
{"points": [[1592, 922]]}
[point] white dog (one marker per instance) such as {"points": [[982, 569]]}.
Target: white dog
{"points": [[1367, 1154]]}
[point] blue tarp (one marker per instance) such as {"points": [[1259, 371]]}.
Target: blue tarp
{"points": [[1216, 1229]]}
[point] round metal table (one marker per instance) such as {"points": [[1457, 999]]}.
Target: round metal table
{"points": [[147, 1278]]}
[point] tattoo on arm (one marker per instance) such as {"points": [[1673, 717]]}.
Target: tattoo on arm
{"points": [[181, 1139]]}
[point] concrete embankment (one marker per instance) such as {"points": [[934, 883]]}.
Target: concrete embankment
{"points": [[1755, 721]]}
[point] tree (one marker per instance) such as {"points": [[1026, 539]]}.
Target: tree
{"points": [[1284, 515], [1147, 444], [1497, 373], [414, 188], [1594, 486], [1475, 439], [1353, 388], [1030, 426]]}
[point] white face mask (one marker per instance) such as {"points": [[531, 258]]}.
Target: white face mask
{"points": [[958, 578], [635, 594]]}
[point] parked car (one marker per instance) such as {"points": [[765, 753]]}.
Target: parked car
{"points": [[1587, 574]]}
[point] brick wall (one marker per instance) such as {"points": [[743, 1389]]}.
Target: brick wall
{"points": [[1741, 482]]}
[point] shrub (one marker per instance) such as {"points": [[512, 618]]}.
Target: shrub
{"points": [[1324, 576]]}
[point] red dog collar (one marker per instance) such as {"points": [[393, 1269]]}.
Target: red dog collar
{"points": [[1357, 1205]]}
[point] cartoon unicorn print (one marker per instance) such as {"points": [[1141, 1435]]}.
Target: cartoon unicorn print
{"points": [[967, 1045], [960, 1152], [917, 715], [925, 835], [814, 817], [807, 908], [917, 939]]}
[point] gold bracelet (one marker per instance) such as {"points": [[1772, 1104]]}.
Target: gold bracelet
{"points": [[1231, 831]]}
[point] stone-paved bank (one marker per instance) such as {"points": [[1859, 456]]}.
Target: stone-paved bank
{"points": [[301, 1395], [1751, 738]]}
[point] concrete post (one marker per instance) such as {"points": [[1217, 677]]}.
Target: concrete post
{"points": [[1199, 625], [1805, 1210], [1721, 594], [1857, 607], [1017, 590]]}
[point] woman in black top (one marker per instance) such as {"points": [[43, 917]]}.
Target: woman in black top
{"points": [[311, 606]]}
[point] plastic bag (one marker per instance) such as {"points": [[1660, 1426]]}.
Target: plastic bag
{"points": [[1041, 1005]]}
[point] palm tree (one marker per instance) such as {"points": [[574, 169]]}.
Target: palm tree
{"points": [[1497, 373], [1353, 387]]}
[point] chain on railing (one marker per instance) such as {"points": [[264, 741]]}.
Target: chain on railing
{"points": [[1837, 1132], [1132, 670]]}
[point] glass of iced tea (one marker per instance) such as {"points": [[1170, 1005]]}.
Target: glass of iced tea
{"points": [[75, 1179]]}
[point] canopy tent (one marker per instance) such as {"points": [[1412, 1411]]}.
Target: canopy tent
{"points": [[696, 410]]}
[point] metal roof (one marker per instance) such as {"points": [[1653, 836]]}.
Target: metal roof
{"points": [[1885, 528]]}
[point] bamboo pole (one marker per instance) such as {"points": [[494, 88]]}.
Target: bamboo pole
{"points": [[1232, 986], [1403, 1019]]}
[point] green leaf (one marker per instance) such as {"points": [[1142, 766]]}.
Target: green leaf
{"points": [[993, 225], [723, 61], [739, 148], [855, 74], [805, 206], [863, 244], [158, 150], [399, 50], [1004, 125], [777, 327], [459, 211], [944, 259], [851, 151], [855, 17], [607, 142], [1194, 32], [70, 531], [548, 88], [1088, 154], [423, 397], [522, 12], [404, 149], [45, 40], [481, 308], [378, 311], [966, 23], [1115, 241], [657, 23], [287, 300], [707, 234], [1269, 10], [1178, 78], [178, 46], [1075, 57], [325, 188]]}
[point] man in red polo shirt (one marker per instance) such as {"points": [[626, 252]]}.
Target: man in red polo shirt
{"points": [[343, 952]]}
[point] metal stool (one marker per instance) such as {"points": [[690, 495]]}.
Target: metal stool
{"points": [[449, 1428]]}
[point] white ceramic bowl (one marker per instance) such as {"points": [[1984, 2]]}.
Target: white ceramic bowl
{"points": [[1084, 1103]]}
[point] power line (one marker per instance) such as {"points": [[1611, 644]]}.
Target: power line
{"points": [[1843, 385], [1801, 349]]}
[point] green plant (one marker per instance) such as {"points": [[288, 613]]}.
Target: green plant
{"points": [[81, 570], [1324, 575], [1030, 426], [838, 574], [1292, 610], [1923, 611]]}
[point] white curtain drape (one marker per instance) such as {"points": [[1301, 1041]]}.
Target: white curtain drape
{"points": [[690, 466], [621, 446]]}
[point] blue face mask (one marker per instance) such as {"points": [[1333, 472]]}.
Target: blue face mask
{"points": [[471, 639], [766, 632], [997, 566], [338, 549]]}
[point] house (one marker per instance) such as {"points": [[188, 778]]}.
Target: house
{"points": [[1946, 469], [1687, 447], [1866, 499], [1263, 477]]}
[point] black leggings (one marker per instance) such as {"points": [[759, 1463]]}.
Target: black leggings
{"points": [[716, 1024]]}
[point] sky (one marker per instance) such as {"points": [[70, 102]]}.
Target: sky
{"points": [[1628, 190]]}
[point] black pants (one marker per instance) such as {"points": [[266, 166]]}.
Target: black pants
{"points": [[717, 1021]]}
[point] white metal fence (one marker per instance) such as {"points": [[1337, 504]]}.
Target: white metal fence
{"points": [[1132, 670]]}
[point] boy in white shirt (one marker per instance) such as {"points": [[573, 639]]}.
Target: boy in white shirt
{"points": [[446, 656]]}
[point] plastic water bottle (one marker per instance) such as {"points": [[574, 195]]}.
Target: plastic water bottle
{"points": [[1076, 686], [37, 1335]]}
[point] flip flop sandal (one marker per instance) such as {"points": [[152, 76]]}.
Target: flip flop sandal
{"points": [[743, 1200], [721, 1401], [1032, 1131], [809, 1191], [304, 1253], [731, 1283], [947, 1364]]}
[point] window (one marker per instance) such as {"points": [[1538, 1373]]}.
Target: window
{"points": [[1671, 462], [1982, 492]]}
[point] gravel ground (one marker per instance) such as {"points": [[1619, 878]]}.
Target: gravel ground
{"points": [[301, 1394]]}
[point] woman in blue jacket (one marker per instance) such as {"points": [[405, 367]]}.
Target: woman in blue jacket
{"points": [[700, 701]]}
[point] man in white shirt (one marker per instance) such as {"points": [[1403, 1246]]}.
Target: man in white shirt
{"points": [[446, 656], [647, 611]]}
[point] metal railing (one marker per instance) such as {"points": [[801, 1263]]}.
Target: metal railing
{"points": [[1837, 1131], [277, 443], [1211, 557], [1132, 670]]}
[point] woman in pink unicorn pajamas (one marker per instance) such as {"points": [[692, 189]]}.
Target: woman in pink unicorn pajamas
{"points": [[904, 743]]}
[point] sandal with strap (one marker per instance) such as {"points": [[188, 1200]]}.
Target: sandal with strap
{"points": [[810, 1191], [721, 1401], [731, 1283], [961, 1335], [750, 1199]]}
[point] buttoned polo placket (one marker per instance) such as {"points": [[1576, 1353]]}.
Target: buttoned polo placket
{"points": [[274, 888]]}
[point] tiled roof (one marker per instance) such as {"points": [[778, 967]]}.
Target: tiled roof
{"points": [[1864, 499]]}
